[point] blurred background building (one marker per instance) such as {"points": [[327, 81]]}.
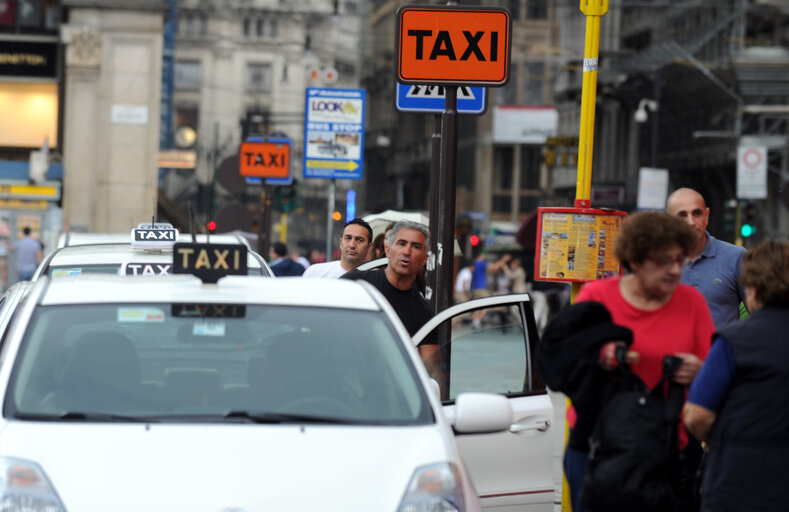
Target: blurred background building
{"points": [[117, 111]]}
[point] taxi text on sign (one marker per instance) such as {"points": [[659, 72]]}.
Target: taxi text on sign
{"points": [[264, 159], [453, 45]]}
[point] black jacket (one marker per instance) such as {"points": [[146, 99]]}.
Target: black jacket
{"points": [[567, 360]]}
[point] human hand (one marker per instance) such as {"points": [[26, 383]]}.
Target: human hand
{"points": [[608, 359], [687, 371]]}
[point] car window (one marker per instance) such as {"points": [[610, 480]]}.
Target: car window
{"points": [[176, 361], [490, 350]]}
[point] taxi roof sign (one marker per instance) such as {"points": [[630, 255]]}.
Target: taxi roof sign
{"points": [[153, 235], [453, 45], [209, 262]]}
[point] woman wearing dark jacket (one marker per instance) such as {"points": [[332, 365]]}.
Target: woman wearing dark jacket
{"points": [[738, 402]]}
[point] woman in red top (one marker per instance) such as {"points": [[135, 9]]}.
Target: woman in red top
{"points": [[666, 317]]}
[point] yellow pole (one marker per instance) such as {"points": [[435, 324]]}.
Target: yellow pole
{"points": [[594, 10]]}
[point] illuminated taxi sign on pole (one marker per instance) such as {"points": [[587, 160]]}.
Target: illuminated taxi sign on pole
{"points": [[264, 159], [209, 262], [153, 236], [453, 45]]}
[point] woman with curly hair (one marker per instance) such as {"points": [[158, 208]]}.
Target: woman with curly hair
{"points": [[665, 317]]}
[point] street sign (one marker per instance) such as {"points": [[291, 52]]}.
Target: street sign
{"points": [[334, 133], [431, 99], [264, 159], [253, 180], [453, 45], [752, 172]]}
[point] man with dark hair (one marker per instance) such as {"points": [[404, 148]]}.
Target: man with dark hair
{"points": [[281, 264], [28, 255], [355, 243], [407, 250]]}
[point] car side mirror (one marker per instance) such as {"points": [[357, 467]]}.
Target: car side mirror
{"points": [[477, 413]]}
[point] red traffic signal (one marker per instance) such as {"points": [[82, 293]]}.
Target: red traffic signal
{"points": [[474, 239], [211, 226]]}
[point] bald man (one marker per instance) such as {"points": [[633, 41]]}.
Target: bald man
{"points": [[715, 265]]}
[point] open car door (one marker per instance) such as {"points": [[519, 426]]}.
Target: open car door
{"points": [[511, 470]]}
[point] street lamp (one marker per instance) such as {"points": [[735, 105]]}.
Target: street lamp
{"points": [[640, 115]]}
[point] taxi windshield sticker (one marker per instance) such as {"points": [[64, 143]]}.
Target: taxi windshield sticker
{"points": [[145, 269], [140, 315], [209, 328], [62, 272]]}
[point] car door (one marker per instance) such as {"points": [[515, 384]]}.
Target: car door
{"points": [[511, 470]]}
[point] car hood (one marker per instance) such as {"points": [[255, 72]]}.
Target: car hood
{"points": [[223, 468]]}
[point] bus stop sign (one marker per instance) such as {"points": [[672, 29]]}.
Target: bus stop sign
{"points": [[453, 45]]}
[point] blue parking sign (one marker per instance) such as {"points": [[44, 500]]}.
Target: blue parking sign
{"points": [[430, 99]]}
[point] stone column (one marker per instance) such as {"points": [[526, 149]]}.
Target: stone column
{"points": [[112, 79]]}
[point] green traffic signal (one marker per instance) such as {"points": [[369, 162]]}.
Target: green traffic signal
{"points": [[747, 230]]}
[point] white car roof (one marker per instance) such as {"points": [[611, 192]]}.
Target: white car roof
{"points": [[120, 253], [290, 291], [77, 239]]}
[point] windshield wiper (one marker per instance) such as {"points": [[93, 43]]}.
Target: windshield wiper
{"points": [[99, 416], [277, 417]]}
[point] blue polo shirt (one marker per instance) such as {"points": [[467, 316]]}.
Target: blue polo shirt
{"points": [[715, 273]]}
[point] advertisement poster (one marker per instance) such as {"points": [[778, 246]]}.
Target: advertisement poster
{"points": [[334, 133], [577, 244]]}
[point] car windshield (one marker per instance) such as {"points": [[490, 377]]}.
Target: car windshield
{"points": [[199, 362]]}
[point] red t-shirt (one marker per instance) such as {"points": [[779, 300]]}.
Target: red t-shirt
{"points": [[683, 324]]}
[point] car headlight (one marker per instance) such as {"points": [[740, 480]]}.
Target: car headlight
{"points": [[24, 486], [435, 488]]}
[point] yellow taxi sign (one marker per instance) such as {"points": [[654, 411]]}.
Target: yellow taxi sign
{"points": [[209, 262], [453, 45]]}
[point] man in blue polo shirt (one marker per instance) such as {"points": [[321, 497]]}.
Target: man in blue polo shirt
{"points": [[714, 270], [715, 265]]}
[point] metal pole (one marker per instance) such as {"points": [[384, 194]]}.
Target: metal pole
{"points": [[446, 202], [594, 10], [433, 212], [329, 220], [264, 230]]}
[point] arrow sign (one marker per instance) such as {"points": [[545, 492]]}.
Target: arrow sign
{"points": [[430, 99], [348, 165]]}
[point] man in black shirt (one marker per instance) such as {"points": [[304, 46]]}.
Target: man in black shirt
{"points": [[407, 252]]}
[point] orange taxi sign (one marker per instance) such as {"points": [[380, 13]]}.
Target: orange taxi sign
{"points": [[264, 159], [453, 45]]}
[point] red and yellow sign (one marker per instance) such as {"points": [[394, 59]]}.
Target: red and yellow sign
{"points": [[576, 244], [264, 159], [453, 45]]}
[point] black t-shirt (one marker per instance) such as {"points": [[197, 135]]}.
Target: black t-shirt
{"points": [[414, 311]]}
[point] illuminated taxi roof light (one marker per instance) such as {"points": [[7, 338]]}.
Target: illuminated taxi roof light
{"points": [[160, 235]]}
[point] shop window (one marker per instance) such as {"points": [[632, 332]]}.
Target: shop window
{"points": [[30, 13], [531, 159], [187, 74], [534, 84], [537, 9], [258, 78]]}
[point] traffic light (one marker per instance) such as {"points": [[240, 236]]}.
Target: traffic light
{"points": [[210, 226], [730, 218], [748, 227], [474, 240]]}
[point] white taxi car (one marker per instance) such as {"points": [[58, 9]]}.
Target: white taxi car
{"points": [[132, 254], [166, 393]]}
